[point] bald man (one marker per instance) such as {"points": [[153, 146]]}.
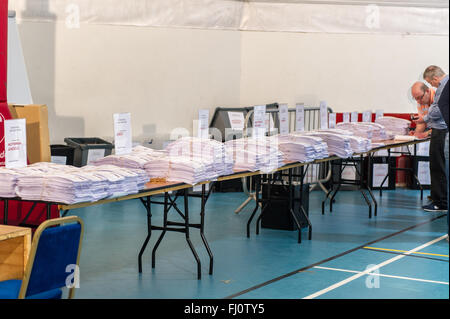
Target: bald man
{"points": [[424, 97]]}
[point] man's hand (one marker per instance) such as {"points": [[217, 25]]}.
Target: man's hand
{"points": [[419, 120], [421, 135]]}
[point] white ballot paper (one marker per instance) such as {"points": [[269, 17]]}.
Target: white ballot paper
{"points": [[367, 116], [236, 120], [300, 117], [354, 117], [284, 119], [379, 113], [346, 117], [332, 120], [203, 123], [323, 115], [122, 133], [259, 121], [15, 143]]}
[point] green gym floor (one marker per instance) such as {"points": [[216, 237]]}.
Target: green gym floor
{"points": [[402, 253]]}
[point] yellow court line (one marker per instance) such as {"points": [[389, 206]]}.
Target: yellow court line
{"points": [[404, 251]]}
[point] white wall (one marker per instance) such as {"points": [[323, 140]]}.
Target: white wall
{"points": [[350, 71], [164, 75], [161, 76]]}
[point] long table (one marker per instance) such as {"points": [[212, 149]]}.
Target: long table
{"points": [[182, 189]]}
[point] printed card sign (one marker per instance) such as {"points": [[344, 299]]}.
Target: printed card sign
{"points": [[332, 120], [367, 116], [236, 120], [354, 117], [284, 119], [203, 123], [300, 117], [346, 117], [122, 133], [15, 143], [259, 121], [323, 115], [379, 113]]}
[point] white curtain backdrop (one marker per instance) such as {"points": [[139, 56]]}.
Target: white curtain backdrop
{"points": [[338, 16]]}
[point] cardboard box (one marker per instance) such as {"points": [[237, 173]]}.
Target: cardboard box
{"points": [[38, 139]]}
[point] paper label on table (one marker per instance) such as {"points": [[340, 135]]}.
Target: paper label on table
{"points": [[95, 154], [354, 117], [423, 172], [332, 120], [15, 143], [284, 119], [259, 121], [300, 117], [59, 159], [236, 120], [379, 173], [203, 123], [379, 113], [367, 116], [346, 117], [122, 133], [323, 115]]}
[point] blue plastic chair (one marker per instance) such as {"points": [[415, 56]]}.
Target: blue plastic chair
{"points": [[56, 245]]}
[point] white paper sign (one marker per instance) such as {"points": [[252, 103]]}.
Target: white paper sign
{"points": [[379, 113], [423, 172], [379, 173], [423, 149], [259, 121], [270, 124], [300, 117], [332, 120], [284, 119], [15, 143], [367, 116], [346, 117], [95, 154], [323, 115], [122, 133], [203, 123], [236, 120], [354, 117]]}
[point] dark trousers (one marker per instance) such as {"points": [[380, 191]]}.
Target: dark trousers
{"points": [[437, 168]]}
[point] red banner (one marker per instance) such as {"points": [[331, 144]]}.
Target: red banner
{"points": [[3, 48]]}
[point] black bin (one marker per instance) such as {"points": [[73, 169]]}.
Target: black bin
{"points": [[88, 149], [62, 154]]}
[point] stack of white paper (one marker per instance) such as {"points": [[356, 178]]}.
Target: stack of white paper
{"points": [[320, 146], [358, 143], [139, 156], [394, 125], [294, 149], [8, 182], [254, 154], [338, 144], [374, 131]]}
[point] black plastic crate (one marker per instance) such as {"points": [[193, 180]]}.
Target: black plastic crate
{"points": [[88, 148], [62, 154]]}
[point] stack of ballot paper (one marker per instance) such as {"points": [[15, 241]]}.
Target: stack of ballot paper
{"points": [[320, 146], [254, 154], [8, 182], [338, 144], [358, 143], [394, 125], [374, 131], [202, 150], [138, 157], [296, 148]]}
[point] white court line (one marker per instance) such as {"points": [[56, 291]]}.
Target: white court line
{"points": [[384, 275], [368, 271]]}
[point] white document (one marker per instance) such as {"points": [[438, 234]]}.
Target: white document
{"points": [[349, 173], [367, 116], [346, 117], [284, 119], [379, 113], [423, 173], [323, 115], [122, 133], [15, 143], [423, 149], [354, 117], [95, 154], [379, 173], [259, 121], [300, 117], [332, 120], [203, 123], [236, 120], [270, 124]]}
